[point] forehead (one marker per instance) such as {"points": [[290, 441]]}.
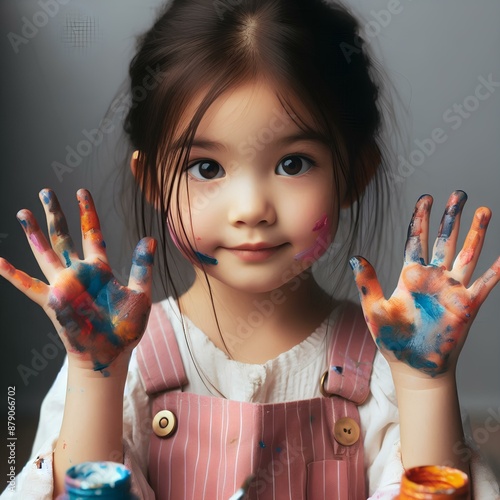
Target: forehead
{"points": [[252, 105]]}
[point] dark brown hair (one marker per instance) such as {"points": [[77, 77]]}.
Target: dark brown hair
{"points": [[309, 49]]}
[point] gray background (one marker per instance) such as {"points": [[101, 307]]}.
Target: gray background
{"points": [[60, 83]]}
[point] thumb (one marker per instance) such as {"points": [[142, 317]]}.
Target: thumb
{"points": [[367, 282], [141, 275]]}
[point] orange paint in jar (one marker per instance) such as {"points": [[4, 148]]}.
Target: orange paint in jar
{"points": [[433, 482]]}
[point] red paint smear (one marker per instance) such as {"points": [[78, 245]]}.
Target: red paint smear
{"points": [[321, 223]]}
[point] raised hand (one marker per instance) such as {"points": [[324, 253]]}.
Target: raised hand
{"points": [[426, 320], [97, 318]]}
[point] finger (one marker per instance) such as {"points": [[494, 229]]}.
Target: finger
{"points": [[481, 288], [141, 273], [34, 289], [61, 241], [416, 249], [93, 242], [446, 242], [466, 260], [367, 282], [46, 257]]}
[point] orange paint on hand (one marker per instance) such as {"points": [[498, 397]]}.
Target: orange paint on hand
{"points": [[89, 220], [23, 279], [472, 241]]}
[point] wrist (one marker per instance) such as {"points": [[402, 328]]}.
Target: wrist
{"points": [[117, 369], [408, 378]]}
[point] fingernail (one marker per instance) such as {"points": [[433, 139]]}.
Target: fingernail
{"points": [[354, 263], [46, 195], [423, 196], [144, 253], [461, 198], [461, 194], [22, 219]]}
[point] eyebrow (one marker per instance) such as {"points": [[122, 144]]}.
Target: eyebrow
{"points": [[303, 135], [308, 135]]}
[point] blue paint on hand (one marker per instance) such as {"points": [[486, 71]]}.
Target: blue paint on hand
{"points": [[354, 263], [66, 258], [46, 196], [450, 214], [403, 346], [429, 306]]}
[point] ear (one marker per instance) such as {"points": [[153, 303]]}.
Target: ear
{"points": [[141, 180], [366, 167]]}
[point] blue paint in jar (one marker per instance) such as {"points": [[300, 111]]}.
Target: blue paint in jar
{"points": [[103, 480]]}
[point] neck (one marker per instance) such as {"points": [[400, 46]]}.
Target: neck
{"points": [[255, 327]]}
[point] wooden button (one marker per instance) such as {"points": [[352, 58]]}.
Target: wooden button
{"points": [[346, 431], [164, 423]]}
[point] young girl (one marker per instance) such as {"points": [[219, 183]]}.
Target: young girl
{"points": [[259, 140]]}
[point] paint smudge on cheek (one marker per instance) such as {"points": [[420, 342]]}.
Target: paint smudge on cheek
{"points": [[206, 259], [320, 246], [187, 252]]}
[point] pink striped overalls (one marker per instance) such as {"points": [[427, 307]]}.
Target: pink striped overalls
{"points": [[204, 447]]}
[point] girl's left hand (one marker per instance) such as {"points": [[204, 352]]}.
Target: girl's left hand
{"points": [[425, 322]]}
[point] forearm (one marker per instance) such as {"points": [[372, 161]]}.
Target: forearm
{"points": [[430, 421], [92, 425]]}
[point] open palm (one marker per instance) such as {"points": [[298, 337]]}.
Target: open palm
{"points": [[97, 318], [426, 320]]}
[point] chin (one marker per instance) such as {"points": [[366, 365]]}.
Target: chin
{"points": [[250, 281]]}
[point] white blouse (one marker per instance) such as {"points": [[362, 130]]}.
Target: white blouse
{"points": [[292, 375]]}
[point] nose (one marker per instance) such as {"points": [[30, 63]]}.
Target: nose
{"points": [[251, 203]]}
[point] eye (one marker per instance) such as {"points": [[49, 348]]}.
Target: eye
{"points": [[206, 170], [294, 166]]}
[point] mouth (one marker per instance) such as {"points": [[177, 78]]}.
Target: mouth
{"points": [[255, 252]]}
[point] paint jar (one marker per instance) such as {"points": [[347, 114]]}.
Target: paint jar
{"points": [[433, 482], [104, 480]]}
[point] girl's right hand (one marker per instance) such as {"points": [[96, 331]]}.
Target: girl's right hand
{"points": [[97, 318]]}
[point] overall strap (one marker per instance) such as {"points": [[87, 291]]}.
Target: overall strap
{"points": [[351, 356], [158, 354]]}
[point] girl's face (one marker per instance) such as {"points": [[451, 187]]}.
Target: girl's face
{"points": [[257, 199]]}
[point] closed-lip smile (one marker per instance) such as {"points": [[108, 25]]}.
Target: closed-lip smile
{"points": [[255, 252], [255, 246]]}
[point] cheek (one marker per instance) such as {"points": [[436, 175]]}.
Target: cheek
{"points": [[314, 223], [318, 240], [192, 227]]}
